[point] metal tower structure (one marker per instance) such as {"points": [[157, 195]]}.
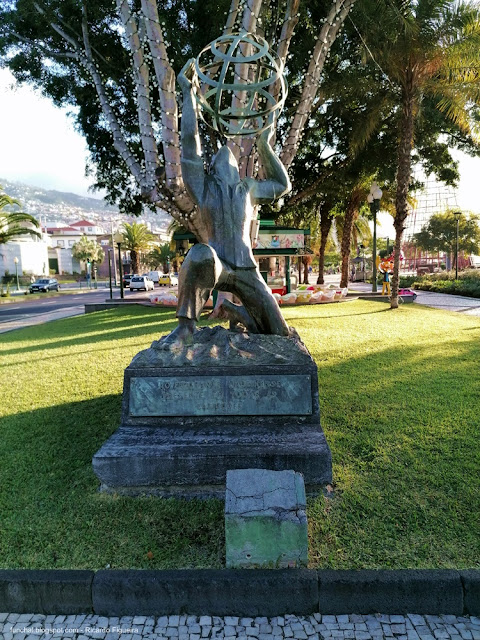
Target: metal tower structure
{"points": [[434, 197]]}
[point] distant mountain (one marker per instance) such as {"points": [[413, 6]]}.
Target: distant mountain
{"points": [[31, 194], [58, 206]]}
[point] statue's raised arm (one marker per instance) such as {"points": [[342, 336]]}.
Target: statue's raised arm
{"points": [[276, 183], [192, 162]]}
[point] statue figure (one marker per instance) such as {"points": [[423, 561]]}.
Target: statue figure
{"points": [[226, 207]]}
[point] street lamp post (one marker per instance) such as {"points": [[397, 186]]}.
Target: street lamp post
{"points": [[119, 239], [113, 254], [373, 199], [457, 215], [15, 260], [110, 271]]}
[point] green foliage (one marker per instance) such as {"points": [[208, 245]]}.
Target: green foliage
{"points": [[15, 223], [136, 238], [160, 256], [88, 250], [467, 284], [440, 233], [5, 293], [332, 259], [399, 409]]}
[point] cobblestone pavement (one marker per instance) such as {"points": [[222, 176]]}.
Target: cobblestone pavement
{"points": [[369, 627]]}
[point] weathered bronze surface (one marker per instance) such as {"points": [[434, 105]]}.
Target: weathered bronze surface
{"points": [[226, 210], [224, 395]]}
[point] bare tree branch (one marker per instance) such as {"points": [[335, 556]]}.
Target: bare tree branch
{"points": [[168, 102], [245, 149], [328, 33], [86, 58], [141, 75], [231, 17], [46, 51]]}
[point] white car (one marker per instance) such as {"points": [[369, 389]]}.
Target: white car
{"points": [[141, 282]]}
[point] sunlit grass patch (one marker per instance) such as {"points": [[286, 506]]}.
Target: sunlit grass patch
{"points": [[399, 395]]}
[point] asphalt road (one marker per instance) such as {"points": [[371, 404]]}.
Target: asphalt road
{"points": [[25, 312]]}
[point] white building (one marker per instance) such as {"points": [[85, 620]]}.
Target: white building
{"points": [[60, 256], [32, 255]]}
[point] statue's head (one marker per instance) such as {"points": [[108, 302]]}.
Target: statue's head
{"points": [[225, 166]]}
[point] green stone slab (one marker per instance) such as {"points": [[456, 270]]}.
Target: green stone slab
{"points": [[265, 542], [250, 395]]}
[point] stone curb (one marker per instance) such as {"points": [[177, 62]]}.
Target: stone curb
{"points": [[46, 591], [240, 592]]}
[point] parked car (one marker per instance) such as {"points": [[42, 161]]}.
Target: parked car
{"points": [[154, 276], [141, 282], [44, 285], [167, 279], [126, 279]]}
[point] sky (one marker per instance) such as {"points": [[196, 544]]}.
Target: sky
{"points": [[39, 146]]}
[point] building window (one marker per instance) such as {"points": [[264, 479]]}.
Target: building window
{"points": [[71, 243], [90, 228], [60, 243]]}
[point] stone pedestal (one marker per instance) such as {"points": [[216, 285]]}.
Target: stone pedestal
{"points": [[230, 401], [265, 520]]}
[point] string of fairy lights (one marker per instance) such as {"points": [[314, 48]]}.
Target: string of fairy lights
{"points": [[242, 15]]}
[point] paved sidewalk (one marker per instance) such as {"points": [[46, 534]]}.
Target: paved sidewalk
{"points": [[446, 301], [356, 627], [31, 320], [462, 304]]}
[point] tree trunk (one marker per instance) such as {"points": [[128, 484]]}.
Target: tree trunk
{"points": [[299, 265], [306, 263], [403, 178], [350, 216], [325, 225], [134, 261]]}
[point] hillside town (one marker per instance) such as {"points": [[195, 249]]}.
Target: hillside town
{"points": [[64, 218]]}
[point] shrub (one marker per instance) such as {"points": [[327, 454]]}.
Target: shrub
{"points": [[466, 286], [407, 281]]}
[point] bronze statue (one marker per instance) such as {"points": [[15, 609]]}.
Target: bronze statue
{"points": [[226, 209]]}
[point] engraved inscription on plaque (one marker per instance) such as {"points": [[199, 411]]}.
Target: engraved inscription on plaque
{"points": [[220, 395]]}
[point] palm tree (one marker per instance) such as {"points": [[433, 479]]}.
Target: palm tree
{"points": [[161, 256], [12, 225], [88, 250], [136, 239], [351, 226], [428, 50]]}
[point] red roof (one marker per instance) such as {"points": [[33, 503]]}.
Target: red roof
{"points": [[83, 223], [60, 229]]}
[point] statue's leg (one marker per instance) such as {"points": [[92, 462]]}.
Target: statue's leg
{"points": [[198, 275], [200, 272], [259, 302]]}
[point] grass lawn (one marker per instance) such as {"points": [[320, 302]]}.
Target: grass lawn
{"points": [[400, 401]]}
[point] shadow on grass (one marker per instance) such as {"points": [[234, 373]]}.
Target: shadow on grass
{"points": [[343, 315], [89, 329], [402, 424], [54, 516], [403, 427]]}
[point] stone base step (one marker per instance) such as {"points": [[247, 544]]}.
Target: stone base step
{"points": [[194, 463]]}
